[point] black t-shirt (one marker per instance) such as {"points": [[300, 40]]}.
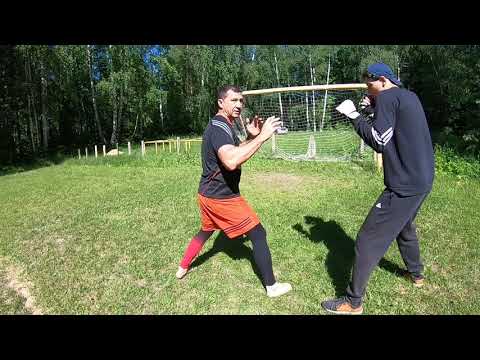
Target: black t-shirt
{"points": [[216, 181], [400, 132]]}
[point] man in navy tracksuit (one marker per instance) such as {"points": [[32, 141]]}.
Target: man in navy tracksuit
{"points": [[400, 132]]}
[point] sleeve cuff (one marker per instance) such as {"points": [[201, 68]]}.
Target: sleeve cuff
{"points": [[354, 115], [356, 121]]}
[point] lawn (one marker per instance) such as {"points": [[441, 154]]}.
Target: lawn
{"points": [[105, 236]]}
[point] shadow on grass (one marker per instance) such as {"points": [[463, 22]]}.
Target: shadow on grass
{"points": [[32, 165], [236, 249], [341, 253]]}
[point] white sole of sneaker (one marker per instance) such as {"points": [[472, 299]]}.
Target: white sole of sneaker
{"points": [[274, 295]]}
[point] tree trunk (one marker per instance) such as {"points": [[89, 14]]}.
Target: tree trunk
{"points": [[32, 96], [14, 141], [135, 129], [29, 109], [161, 113], [398, 67], [94, 102], [326, 96], [120, 122], [45, 125], [30, 126], [31, 103], [313, 93], [306, 111], [15, 137], [83, 119], [113, 139], [35, 118], [278, 84], [436, 73], [290, 107]]}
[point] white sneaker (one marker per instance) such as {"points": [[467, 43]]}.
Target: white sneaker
{"points": [[278, 289], [181, 272]]}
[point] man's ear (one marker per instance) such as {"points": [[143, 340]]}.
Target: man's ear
{"points": [[383, 79], [220, 103]]}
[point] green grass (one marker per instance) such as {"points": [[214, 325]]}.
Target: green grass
{"points": [[10, 301], [105, 236]]}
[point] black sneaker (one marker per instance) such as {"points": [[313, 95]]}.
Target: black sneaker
{"points": [[417, 280], [341, 306]]}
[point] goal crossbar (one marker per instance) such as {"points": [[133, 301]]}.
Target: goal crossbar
{"points": [[305, 88]]}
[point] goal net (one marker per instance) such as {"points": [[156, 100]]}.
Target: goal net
{"points": [[312, 128]]}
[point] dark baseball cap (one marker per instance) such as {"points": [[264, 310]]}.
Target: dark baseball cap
{"points": [[376, 70]]}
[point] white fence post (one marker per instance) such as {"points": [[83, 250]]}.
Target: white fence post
{"points": [[96, 152], [79, 156], [86, 153], [104, 151], [143, 147], [129, 149]]}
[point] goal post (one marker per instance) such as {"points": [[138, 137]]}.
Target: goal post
{"points": [[311, 127]]}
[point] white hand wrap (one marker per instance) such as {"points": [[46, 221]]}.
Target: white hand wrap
{"points": [[348, 108]]}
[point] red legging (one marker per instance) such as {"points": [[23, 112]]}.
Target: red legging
{"points": [[194, 247]]}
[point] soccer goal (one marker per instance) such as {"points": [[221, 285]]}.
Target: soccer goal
{"points": [[312, 128]]}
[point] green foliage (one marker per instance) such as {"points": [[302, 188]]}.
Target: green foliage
{"points": [[378, 54], [446, 79], [154, 91], [448, 160]]}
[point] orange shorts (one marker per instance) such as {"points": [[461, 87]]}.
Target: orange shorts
{"points": [[233, 216]]}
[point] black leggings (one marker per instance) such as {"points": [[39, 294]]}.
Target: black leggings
{"points": [[261, 254]]}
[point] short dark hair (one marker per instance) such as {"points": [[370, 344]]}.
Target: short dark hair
{"points": [[222, 92]]}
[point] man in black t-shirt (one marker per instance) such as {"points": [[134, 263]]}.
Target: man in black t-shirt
{"points": [[221, 205], [399, 131]]}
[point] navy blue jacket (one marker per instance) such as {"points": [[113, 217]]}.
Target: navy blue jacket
{"points": [[400, 132]]}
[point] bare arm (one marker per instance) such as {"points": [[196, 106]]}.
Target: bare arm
{"points": [[233, 156]]}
